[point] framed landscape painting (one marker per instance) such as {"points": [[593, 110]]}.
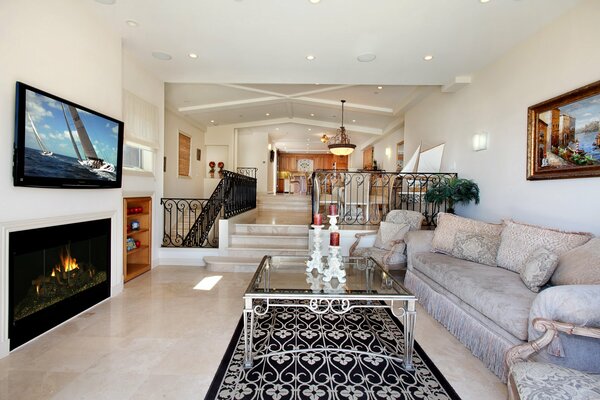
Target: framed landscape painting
{"points": [[563, 139]]}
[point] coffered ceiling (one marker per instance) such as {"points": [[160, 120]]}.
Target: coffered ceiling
{"points": [[250, 56]]}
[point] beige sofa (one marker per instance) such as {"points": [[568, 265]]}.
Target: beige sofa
{"points": [[481, 281]]}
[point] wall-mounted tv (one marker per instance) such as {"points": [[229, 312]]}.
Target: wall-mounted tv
{"points": [[61, 144]]}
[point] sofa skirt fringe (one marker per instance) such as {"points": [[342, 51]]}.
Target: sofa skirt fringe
{"points": [[483, 343]]}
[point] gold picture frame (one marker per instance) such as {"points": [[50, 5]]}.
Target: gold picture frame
{"points": [[563, 135]]}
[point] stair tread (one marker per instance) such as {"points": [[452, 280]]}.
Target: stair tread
{"points": [[232, 260], [270, 246], [265, 235]]}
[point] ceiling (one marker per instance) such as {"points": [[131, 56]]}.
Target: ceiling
{"points": [[262, 46]]}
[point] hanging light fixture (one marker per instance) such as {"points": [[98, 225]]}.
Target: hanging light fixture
{"points": [[325, 138], [340, 144]]}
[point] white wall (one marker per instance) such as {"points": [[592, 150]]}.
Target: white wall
{"points": [[69, 54], [144, 85], [379, 146], [220, 136], [561, 57], [253, 152], [174, 185]]}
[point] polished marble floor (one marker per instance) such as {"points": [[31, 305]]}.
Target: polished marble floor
{"points": [[161, 339]]}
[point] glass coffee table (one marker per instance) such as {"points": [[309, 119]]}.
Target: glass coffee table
{"points": [[283, 281]]}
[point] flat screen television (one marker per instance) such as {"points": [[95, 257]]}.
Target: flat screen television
{"points": [[61, 144]]}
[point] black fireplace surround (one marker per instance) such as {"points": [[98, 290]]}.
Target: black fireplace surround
{"points": [[55, 273]]}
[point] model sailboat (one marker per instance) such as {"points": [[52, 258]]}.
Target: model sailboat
{"points": [[43, 148], [91, 160], [428, 161]]}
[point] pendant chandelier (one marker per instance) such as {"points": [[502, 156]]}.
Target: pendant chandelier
{"points": [[340, 144]]}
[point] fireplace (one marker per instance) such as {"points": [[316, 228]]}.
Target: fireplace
{"points": [[55, 273]]}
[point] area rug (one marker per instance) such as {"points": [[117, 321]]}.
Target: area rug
{"points": [[330, 371]]}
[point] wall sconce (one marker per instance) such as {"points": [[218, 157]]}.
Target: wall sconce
{"points": [[269, 147], [480, 141], [388, 152]]}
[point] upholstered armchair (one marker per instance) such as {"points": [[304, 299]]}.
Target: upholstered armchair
{"points": [[529, 380], [387, 244]]}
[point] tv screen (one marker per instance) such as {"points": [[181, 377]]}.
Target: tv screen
{"points": [[61, 144]]}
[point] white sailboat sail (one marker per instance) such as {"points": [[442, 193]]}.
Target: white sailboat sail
{"points": [[431, 160], [43, 148], [412, 164], [71, 133]]}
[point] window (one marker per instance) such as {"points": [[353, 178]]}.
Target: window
{"points": [[185, 146], [138, 158]]}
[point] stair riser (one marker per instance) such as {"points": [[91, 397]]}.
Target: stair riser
{"points": [[261, 253], [250, 241], [275, 230]]}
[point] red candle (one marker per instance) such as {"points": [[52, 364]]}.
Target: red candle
{"points": [[333, 209], [317, 219], [334, 239]]}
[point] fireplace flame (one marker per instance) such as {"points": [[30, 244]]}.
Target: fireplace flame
{"points": [[67, 263]]}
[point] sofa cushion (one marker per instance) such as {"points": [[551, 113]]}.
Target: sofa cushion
{"points": [[580, 266], [538, 268], [449, 224], [477, 247], [389, 232], [496, 293], [518, 241]]}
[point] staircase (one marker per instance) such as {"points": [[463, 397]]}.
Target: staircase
{"points": [[250, 242]]}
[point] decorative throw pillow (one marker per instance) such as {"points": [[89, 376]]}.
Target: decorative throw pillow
{"points": [[538, 268], [519, 240], [477, 247], [449, 224], [388, 232], [580, 266]]}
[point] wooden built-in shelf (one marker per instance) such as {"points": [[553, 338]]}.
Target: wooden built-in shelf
{"points": [[137, 261]]}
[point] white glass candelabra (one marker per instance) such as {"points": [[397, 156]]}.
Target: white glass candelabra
{"points": [[316, 261], [334, 266]]}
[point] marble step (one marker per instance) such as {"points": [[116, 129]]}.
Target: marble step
{"points": [[258, 240], [263, 251], [270, 229], [231, 264]]}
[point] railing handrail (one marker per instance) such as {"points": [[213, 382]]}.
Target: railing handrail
{"points": [[365, 197], [235, 193]]}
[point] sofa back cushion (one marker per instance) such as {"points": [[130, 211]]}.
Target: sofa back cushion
{"points": [[518, 241], [477, 247], [449, 224], [580, 266]]}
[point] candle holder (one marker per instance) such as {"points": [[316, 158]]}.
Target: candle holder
{"points": [[333, 223], [334, 264], [315, 261], [315, 282]]}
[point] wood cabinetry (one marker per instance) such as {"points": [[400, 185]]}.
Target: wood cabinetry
{"points": [[289, 161], [137, 234]]}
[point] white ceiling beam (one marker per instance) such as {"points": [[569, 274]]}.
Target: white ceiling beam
{"points": [[254, 90], [321, 90], [232, 104], [289, 109], [310, 122], [348, 106], [458, 83]]}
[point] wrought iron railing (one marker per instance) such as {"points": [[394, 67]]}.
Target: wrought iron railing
{"points": [[191, 222], [247, 171], [365, 198]]}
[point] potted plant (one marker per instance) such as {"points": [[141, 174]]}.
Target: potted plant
{"points": [[453, 191], [221, 165], [212, 169]]}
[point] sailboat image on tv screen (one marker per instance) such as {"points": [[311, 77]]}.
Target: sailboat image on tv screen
{"points": [[91, 160], [43, 149]]}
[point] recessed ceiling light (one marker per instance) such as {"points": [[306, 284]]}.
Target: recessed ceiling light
{"points": [[212, 121], [317, 84], [353, 120], [315, 1], [428, 57], [132, 23], [276, 129], [193, 55], [484, 1], [267, 114], [159, 55], [367, 57], [310, 57], [379, 87], [312, 114], [107, 2], [310, 129]]}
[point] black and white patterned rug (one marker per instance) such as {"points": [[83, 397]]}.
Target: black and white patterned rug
{"points": [[327, 373]]}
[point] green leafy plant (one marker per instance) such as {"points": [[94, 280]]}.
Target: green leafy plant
{"points": [[453, 191]]}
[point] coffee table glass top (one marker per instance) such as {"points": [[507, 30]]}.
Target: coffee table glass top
{"points": [[278, 276]]}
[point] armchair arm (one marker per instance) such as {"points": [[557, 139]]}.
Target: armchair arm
{"points": [[358, 237], [551, 330]]}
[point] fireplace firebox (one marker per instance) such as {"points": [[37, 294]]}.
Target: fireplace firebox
{"points": [[55, 273]]}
